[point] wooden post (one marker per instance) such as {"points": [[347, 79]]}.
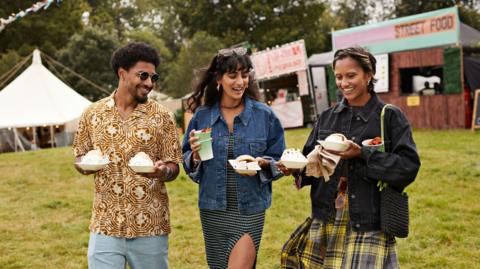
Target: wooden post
{"points": [[476, 110]]}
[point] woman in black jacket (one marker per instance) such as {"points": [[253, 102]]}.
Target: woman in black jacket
{"points": [[345, 231]]}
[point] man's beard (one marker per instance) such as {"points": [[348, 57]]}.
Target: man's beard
{"points": [[141, 100]]}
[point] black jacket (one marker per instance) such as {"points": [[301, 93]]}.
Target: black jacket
{"points": [[398, 166]]}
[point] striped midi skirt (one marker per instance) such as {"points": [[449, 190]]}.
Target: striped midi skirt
{"points": [[222, 229]]}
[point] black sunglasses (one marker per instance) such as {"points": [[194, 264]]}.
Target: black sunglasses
{"points": [[240, 51], [143, 75]]}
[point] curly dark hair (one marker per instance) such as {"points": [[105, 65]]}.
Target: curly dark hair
{"points": [[127, 56], [206, 93], [364, 58]]}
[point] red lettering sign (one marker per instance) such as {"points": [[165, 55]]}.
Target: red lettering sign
{"points": [[286, 59], [427, 26]]}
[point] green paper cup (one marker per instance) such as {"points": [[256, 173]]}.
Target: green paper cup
{"points": [[202, 135], [205, 152]]}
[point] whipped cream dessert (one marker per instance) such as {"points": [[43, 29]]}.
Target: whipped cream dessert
{"points": [[245, 162], [336, 138], [94, 157], [241, 165], [293, 155], [246, 166], [141, 159]]}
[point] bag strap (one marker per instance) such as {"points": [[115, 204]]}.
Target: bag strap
{"points": [[382, 125], [381, 185]]}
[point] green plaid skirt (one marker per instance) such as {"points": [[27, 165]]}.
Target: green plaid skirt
{"points": [[334, 245]]}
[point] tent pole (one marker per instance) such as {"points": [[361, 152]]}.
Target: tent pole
{"points": [[15, 138], [51, 135], [17, 141], [34, 135]]}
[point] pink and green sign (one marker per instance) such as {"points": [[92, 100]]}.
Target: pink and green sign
{"points": [[436, 28]]}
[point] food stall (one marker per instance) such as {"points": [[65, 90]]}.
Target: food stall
{"points": [[282, 76], [424, 65]]}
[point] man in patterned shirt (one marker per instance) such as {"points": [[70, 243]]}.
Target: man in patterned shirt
{"points": [[130, 219]]}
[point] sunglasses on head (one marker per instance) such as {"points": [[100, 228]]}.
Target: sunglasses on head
{"points": [[144, 75], [240, 51]]}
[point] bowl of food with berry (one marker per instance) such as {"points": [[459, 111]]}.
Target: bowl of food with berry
{"points": [[375, 142]]}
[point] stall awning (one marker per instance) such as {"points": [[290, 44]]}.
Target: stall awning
{"points": [[469, 36], [430, 29], [325, 58]]}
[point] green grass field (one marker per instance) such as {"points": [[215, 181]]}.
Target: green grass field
{"points": [[45, 209]]}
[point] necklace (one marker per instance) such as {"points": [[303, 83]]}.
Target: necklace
{"points": [[232, 107]]}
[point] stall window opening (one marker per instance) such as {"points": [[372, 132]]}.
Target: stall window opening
{"points": [[426, 80]]}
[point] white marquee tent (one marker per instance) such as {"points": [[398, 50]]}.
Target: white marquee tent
{"points": [[38, 98]]}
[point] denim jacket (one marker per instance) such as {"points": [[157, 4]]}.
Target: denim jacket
{"points": [[398, 166], [257, 132]]}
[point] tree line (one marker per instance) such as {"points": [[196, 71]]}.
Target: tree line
{"points": [[187, 33]]}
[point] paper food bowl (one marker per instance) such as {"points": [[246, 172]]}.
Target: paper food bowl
{"points": [[143, 168], [91, 167], [252, 167], [246, 171], [333, 145], [294, 164], [366, 142]]}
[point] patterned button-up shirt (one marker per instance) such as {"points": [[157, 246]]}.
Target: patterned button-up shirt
{"points": [[126, 204]]}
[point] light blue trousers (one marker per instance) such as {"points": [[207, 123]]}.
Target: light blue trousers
{"points": [[106, 252]]}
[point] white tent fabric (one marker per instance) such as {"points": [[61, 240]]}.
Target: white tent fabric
{"points": [[38, 98], [325, 58]]}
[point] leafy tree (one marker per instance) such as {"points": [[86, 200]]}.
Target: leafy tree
{"points": [[353, 13], [196, 53], [113, 15], [124, 16], [171, 29], [88, 53], [47, 30], [470, 16], [8, 60], [264, 23], [468, 9], [410, 7]]}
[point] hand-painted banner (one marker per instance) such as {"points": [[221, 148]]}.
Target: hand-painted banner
{"points": [[426, 26], [288, 58], [430, 29], [34, 8]]}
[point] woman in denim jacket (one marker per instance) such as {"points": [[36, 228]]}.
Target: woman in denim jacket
{"points": [[232, 206]]}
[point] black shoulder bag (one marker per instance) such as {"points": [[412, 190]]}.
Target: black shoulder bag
{"points": [[394, 216]]}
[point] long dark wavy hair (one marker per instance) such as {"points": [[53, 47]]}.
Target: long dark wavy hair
{"points": [[206, 93], [364, 58]]}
